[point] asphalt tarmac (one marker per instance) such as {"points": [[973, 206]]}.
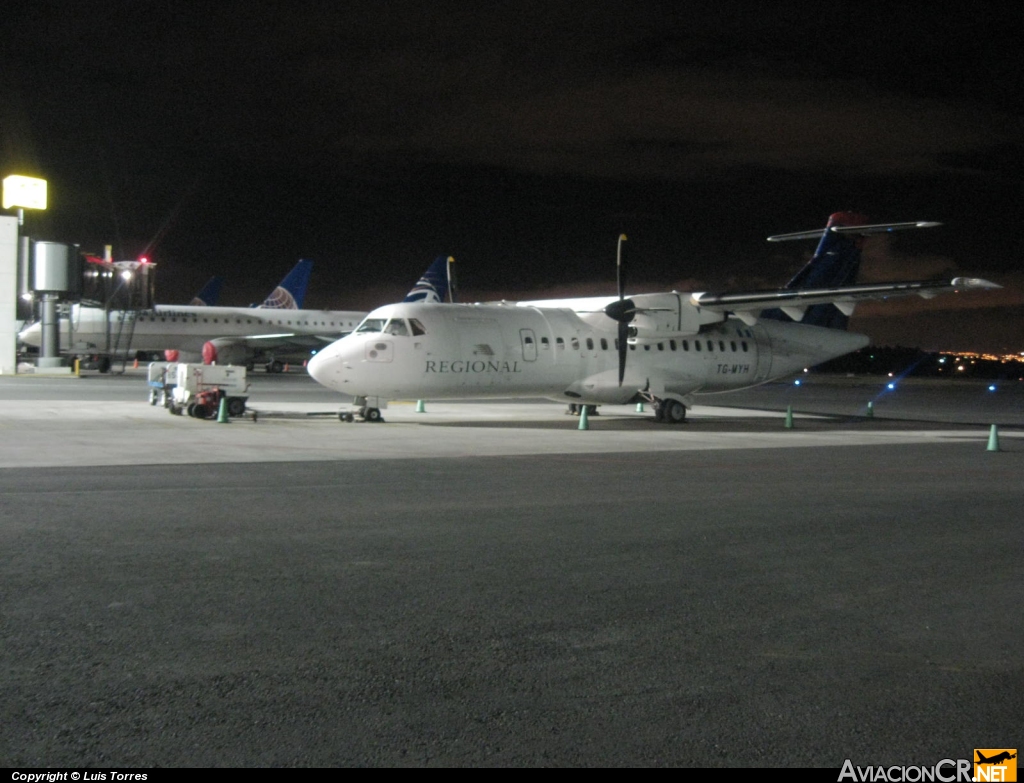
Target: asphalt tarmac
{"points": [[486, 585]]}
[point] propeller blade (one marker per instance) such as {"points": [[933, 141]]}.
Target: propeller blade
{"points": [[623, 310], [623, 334], [451, 280], [620, 272]]}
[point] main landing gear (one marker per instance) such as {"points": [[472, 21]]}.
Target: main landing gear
{"points": [[669, 411]]}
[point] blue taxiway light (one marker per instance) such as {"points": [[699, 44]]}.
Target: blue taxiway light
{"points": [[796, 382], [890, 386], [992, 387]]}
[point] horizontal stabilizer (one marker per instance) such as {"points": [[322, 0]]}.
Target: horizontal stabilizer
{"points": [[878, 228], [796, 298]]}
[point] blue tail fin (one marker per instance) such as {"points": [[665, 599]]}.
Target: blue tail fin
{"points": [[208, 294], [835, 263], [433, 286], [291, 293]]}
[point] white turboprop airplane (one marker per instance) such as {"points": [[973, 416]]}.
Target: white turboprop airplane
{"points": [[665, 348]]}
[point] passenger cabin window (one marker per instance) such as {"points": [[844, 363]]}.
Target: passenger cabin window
{"points": [[590, 344], [417, 327], [559, 342], [696, 344], [575, 344], [604, 344]]}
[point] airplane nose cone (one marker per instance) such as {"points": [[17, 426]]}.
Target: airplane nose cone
{"points": [[318, 367]]}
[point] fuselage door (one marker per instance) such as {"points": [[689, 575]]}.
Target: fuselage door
{"points": [[529, 342], [764, 353]]}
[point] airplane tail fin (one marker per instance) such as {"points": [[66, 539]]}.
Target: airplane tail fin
{"points": [[433, 286], [208, 294], [291, 292], [835, 263]]}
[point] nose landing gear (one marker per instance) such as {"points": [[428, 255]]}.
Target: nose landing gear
{"points": [[371, 415]]}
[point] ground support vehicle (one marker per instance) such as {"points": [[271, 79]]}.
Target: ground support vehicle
{"points": [[161, 377], [199, 388]]}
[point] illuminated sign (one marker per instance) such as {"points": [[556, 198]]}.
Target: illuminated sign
{"points": [[28, 192]]}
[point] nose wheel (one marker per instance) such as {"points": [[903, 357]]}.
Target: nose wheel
{"points": [[371, 415]]}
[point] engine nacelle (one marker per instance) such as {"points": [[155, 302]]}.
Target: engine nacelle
{"points": [[668, 315], [174, 355], [224, 351]]}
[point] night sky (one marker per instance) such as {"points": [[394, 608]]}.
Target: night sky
{"points": [[233, 138]]}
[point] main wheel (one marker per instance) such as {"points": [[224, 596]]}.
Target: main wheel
{"points": [[104, 364], [373, 415], [673, 412]]}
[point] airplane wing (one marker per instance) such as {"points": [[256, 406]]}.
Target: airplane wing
{"points": [[284, 341], [793, 302]]}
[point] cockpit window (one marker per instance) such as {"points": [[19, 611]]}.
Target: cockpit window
{"points": [[370, 325], [417, 327], [397, 326]]}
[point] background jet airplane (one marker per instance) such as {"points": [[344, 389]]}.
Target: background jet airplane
{"points": [[239, 335], [437, 283], [208, 294], [665, 348], [270, 333]]}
